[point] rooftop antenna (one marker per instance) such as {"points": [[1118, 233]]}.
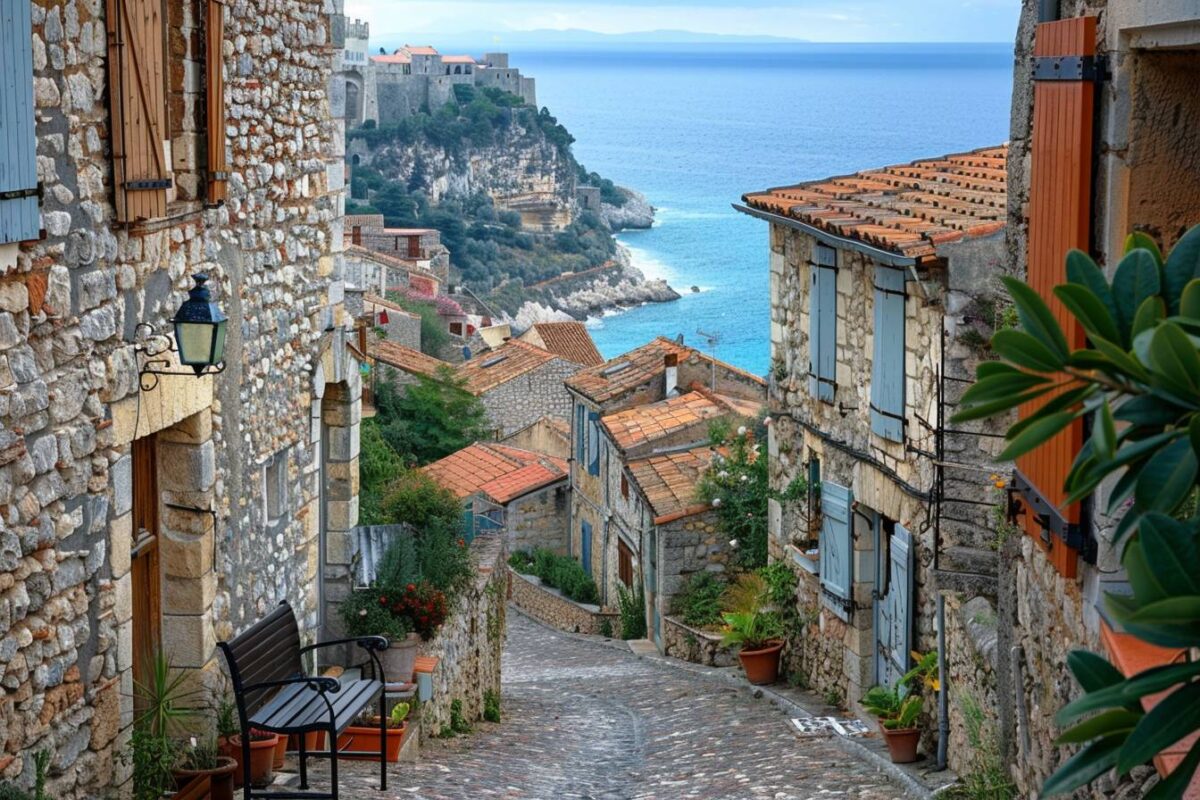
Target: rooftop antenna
{"points": [[713, 340]]}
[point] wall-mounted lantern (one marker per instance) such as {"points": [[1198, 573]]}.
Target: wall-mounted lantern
{"points": [[200, 329]]}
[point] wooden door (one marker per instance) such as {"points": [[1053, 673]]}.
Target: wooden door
{"points": [[414, 247], [146, 574]]}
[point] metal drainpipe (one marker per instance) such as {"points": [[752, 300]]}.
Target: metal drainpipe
{"points": [[943, 701], [939, 439], [1047, 10]]}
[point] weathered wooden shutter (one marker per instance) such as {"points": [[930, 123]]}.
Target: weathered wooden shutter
{"points": [[836, 547], [136, 89], [218, 162], [822, 349], [585, 545], [887, 366], [593, 443], [18, 140], [580, 434], [1059, 219], [894, 620]]}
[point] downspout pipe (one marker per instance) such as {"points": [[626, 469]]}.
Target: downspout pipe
{"points": [[940, 444]]}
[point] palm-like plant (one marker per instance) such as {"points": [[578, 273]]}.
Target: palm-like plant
{"points": [[895, 709], [751, 630], [1139, 382]]}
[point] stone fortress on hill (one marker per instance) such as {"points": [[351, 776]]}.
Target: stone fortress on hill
{"points": [[388, 88]]}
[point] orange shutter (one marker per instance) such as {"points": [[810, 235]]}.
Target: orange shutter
{"points": [[141, 174], [1059, 219], [218, 163]]}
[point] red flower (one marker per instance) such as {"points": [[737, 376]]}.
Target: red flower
{"points": [[411, 587]]}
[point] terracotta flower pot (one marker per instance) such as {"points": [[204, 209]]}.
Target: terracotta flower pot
{"points": [[220, 778], [364, 740], [262, 758], [902, 743], [227, 748], [400, 659], [281, 748], [761, 666]]}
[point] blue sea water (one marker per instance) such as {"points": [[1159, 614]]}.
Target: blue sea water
{"points": [[694, 127]]}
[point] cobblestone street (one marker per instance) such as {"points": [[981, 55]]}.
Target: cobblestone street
{"points": [[585, 720]]}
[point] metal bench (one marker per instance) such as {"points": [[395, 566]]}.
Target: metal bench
{"points": [[273, 694]]}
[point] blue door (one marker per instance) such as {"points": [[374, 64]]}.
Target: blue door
{"points": [[585, 551]]}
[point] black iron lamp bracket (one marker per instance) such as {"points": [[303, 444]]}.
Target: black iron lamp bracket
{"points": [[151, 367]]}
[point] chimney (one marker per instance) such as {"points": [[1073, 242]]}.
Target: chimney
{"points": [[671, 362]]}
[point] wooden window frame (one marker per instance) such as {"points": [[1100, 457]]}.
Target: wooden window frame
{"points": [[624, 563]]}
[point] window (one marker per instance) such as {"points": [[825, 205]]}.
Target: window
{"points": [[887, 366], [580, 433], [836, 548], [456, 328], [624, 563], [593, 439], [822, 324], [275, 487], [624, 486], [19, 220]]}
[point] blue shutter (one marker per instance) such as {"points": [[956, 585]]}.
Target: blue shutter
{"points": [[887, 367], [836, 546], [822, 324], [18, 149], [580, 434], [593, 443], [585, 548], [894, 621]]}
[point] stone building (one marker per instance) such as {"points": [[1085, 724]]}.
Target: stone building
{"points": [[389, 322], [884, 289], [519, 384], [654, 456], [521, 493], [650, 374], [1130, 165], [570, 340], [548, 434], [142, 509], [419, 249]]}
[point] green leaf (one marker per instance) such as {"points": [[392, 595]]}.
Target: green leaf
{"points": [[1085, 766], [1082, 270], [1123, 489], [1142, 578], [999, 386], [1173, 718], [1038, 433], [1137, 239], [1174, 785], [1194, 433], [1189, 303], [1151, 312], [1183, 265], [1146, 411], [1168, 477], [1122, 359], [987, 369], [1089, 310], [1060, 402], [1150, 681], [1137, 278], [1117, 720], [1171, 546], [1175, 361], [1093, 672], [1104, 433], [1022, 349], [1170, 622], [994, 407], [1036, 317]]}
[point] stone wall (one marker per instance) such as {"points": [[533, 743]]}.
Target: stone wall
{"points": [[686, 546], [520, 402], [470, 643], [539, 519], [549, 606], [692, 644]]}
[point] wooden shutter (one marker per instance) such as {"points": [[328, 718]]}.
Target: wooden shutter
{"points": [[145, 573], [887, 366], [18, 143], [593, 443], [585, 545], [894, 621], [836, 547], [580, 433], [1059, 219], [624, 563], [137, 89], [218, 163], [822, 324]]}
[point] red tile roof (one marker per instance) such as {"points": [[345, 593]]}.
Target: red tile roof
{"points": [[668, 482], [419, 50], [458, 59], [643, 424], [375, 302], [570, 340], [511, 360], [498, 471], [908, 209], [393, 58], [404, 358], [634, 369]]}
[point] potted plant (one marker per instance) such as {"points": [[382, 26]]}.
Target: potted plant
{"points": [[262, 755], [757, 635], [363, 738], [227, 731], [371, 612], [164, 703], [897, 708], [203, 760]]}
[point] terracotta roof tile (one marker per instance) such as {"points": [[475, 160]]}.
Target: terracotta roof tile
{"points": [[644, 424], [570, 340], [668, 482], [458, 59], [419, 50], [404, 358], [627, 372], [908, 209], [511, 360], [500, 472]]}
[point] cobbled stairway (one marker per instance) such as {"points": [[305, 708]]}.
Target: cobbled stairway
{"points": [[587, 720]]}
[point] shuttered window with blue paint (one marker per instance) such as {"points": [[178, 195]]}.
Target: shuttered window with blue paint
{"points": [[887, 365], [836, 548], [822, 323], [19, 219], [593, 429]]}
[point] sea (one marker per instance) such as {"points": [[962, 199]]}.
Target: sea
{"points": [[696, 126]]}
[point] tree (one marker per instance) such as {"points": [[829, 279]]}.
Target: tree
{"points": [[1139, 384], [378, 465], [432, 418]]}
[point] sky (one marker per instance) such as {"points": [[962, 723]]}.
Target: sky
{"points": [[815, 20]]}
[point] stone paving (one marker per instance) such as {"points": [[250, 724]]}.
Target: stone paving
{"points": [[587, 720]]}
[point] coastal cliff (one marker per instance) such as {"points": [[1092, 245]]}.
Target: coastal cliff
{"points": [[516, 210]]}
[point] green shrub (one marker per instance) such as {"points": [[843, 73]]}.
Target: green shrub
{"points": [[491, 705], [633, 612], [698, 601], [558, 572]]}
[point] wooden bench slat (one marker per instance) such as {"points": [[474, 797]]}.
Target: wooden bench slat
{"points": [[296, 712]]}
